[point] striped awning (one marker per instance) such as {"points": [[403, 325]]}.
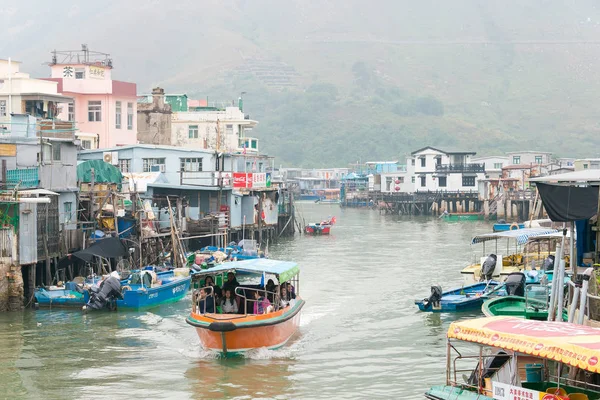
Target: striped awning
{"points": [[520, 235]]}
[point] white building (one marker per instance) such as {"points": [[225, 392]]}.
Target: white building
{"points": [[222, 129], [493, 165], [432, 169], [529, 157], [21, 94], [586, 163]]}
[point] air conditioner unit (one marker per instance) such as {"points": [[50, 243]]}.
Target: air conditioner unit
{"points": [[111, 157], [157, 168]]}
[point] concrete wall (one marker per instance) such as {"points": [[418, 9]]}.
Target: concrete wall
{"points": [[529, 158], [59, 175]]}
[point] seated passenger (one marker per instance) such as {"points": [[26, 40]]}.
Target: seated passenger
{"points": [[261, 303], [209, 281], [206, 302], [291, 291], [231, 283], [229, 303], [284, 300], [270, 288]]}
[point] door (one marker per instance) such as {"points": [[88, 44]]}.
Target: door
{"points": [[27, 233]]}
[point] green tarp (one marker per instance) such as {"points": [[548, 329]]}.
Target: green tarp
{"points": [[104, 172]]}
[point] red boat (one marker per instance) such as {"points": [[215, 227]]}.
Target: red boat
{"points": [[320, 228]]}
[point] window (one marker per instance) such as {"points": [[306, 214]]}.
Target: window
{"points": [[68, 211], [423, 162], [46, 153], [423, 181], [585, 166], [193, 131], [497, 165], [118, 115], [86, 144], [129, 116], [468, 181], [442, 181], [2, 108], [191, 164], [79, 73], [229, 129], [124, 165], [148, 163], [538, 159], [401, 179], [248, 166], [412, 162], [94, 111], [260, 167], [71, 116], [413, 179], [516, 160], [56, 151]]}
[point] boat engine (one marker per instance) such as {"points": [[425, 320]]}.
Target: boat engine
{"points": [[548, 263], [488, 267], [434, 298], [108, 291], [515, 284]]}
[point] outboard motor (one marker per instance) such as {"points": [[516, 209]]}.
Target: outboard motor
{"points": [[434, 298], [548, 264], [515, 284], [110, 289], [488, 267]]}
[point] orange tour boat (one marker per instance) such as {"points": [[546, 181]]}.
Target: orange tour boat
{"points": [[248, 305]]}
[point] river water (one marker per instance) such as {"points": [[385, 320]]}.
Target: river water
{"points": [[361, 336]]}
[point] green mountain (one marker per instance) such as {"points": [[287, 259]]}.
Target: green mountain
{"points": [[337, 81]]}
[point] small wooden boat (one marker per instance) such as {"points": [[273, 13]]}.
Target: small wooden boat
{"points": [[451, 217], [61, 296], [320, 228], [517, 306], [515, 359], [462, 299], [249, 329]]}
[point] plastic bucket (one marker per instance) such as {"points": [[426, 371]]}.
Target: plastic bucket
{"points": [[533, 372]]}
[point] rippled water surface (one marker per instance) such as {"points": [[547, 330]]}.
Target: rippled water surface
{"points": [[361, 335]]}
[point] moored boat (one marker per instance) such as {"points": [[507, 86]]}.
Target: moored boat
{"points": [[451, 217], [461, 299], [518, 306], [510, 358], [61, 296], [320, 228], [254, 326]]}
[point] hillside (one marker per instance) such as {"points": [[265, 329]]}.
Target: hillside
{"points": [[334, 81]]}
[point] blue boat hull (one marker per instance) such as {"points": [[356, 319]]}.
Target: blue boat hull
{"points": [[505, 227], [461, 299], [142, 297], [60, 298]]}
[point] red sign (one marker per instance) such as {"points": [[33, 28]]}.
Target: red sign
{"points": [[242, 180]]}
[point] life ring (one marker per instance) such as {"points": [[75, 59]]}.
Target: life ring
{"points": [[514, 225]]}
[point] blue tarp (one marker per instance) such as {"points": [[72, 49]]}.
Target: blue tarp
{"points": [[520, 235]]}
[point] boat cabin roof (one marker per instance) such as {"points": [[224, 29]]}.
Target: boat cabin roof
{"points": [[285, 270], [520, 235], [571, 344]]}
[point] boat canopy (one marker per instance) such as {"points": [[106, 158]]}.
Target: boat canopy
{"points": [[571, 344], [285, 270], [521, 235], [555, 235]]}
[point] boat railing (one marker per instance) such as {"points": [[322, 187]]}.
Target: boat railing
{"points": [[240, 291], [465, 373]]}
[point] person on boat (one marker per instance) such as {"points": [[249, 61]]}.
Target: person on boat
{"points": [[291, 291], [209, 281], [270, 288], [231, 283], [261, 304], [284, 299], [229, 303], [206, 303]]}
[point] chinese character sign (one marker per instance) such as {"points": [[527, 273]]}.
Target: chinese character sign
{"points": [[259, 180], [68, 72], [96, 72]]}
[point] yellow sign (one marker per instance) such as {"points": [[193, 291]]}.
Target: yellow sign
{"points": [[8, 150], [96, 72]]}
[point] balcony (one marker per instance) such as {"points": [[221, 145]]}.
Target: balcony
{"points": [[24, 178], [460, 168]]}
